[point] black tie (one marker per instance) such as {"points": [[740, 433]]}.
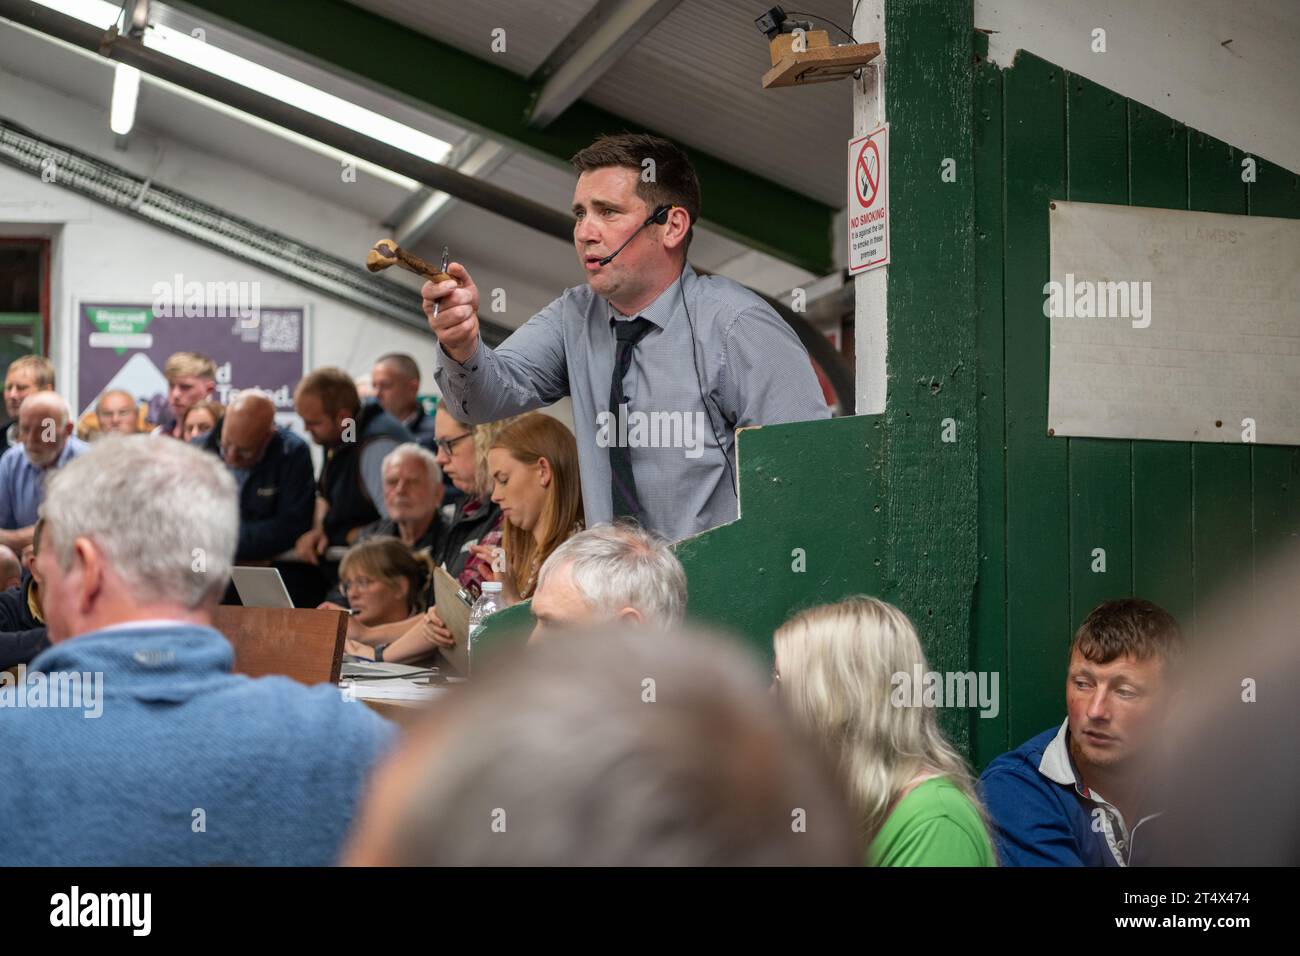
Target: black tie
{"points": [[622, 483]]}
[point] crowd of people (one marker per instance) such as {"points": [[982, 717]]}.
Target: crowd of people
{"points": [[93, 529], [400, 491], [620, 733]]}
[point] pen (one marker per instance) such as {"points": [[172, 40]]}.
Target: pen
{"points": [[444, 269]]}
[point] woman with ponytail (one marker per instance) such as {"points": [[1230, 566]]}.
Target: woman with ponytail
{"points": [[385, 582]]}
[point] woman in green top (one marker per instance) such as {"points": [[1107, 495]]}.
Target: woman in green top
{"points": [[837, 669]]}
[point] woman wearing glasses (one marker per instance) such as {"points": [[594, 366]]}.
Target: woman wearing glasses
{"points": [[462, 454], [384, 581], [534, 476]]}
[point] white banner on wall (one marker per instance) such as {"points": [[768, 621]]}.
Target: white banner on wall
{"points": [[1173, 325]]}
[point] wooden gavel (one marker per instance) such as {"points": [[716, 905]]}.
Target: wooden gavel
{"points": [[387, 253]]}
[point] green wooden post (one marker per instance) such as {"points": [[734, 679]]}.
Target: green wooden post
{"points": [[990, 611], [931, 552]]}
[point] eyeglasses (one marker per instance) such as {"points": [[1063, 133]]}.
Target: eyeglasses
{"points": [[445, 445], [355, 584]]}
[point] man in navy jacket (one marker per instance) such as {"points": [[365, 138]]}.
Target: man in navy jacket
{"points": [[1077, 795], [272, 467]]}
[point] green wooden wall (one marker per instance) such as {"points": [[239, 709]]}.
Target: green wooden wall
{"points": [[1178, 520], [811, 528]]}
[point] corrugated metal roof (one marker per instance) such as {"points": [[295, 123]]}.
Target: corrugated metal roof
{"points": [[696, 77], [533, 27]]}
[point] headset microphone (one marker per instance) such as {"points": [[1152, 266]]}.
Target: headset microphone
{"points": [[659, 216]]}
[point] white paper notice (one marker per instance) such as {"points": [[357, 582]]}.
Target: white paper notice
{"points": [[1165, 324]]}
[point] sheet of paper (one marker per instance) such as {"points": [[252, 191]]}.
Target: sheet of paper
{"points": [[454, 612]]}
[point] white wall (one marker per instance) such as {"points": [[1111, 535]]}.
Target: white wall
{"points": [[102, 255], [1169, 55]]}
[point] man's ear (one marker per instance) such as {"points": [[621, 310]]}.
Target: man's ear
{"points": [[630, 616], [679, 224], [87, 560]]}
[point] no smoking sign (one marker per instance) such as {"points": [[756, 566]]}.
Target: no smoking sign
{"points": [[868, 216]]}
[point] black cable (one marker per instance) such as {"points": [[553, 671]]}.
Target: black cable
{"points": [[796, 13], [699, 381]]}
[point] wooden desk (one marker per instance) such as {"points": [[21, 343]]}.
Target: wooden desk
{"points": [[305, 644], [404, 715]]}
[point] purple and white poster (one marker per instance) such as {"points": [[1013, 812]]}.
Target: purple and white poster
{"points": [[126, 346]]}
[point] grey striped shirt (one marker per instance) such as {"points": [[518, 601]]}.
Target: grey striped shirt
{"points": [[753, 368]]}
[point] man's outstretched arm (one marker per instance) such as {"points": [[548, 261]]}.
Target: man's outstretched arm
{"points": [[480, 384]]}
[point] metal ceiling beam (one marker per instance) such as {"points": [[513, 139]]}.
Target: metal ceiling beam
{"points": [[594, 45], [124, 49], [490, 99], [481, 160]]}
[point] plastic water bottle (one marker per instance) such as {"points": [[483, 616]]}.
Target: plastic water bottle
{"points": [[488, 603]]}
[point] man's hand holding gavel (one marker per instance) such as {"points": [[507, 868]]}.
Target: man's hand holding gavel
{"points": [[456, 323]]}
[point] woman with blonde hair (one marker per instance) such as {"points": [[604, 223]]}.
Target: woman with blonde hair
{"points": [[837, 669]]}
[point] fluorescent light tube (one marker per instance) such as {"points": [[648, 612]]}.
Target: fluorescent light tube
{"points": [[126, 90]]}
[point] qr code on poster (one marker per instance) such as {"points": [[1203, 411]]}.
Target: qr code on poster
{"points": [[281, 331]]}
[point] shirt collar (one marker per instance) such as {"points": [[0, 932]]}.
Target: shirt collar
{"points": [[1058, 767], [1056, 764], [145, 624], [59, 462], [661, 311]]}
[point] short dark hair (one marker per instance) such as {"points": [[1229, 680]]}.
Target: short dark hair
{"points": [[1128, 626], [674, 180], [335, 389], [402, 363]]}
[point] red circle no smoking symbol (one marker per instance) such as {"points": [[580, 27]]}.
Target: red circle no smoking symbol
{"points": [[866, 173]]}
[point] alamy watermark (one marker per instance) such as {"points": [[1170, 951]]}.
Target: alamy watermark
{"points": [[1085, 299], [951, 689], [75, 908], [194, 300], [74, 690], [628, 429]]}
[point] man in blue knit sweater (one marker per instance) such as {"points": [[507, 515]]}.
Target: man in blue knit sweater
{"points": [[129, 741]]}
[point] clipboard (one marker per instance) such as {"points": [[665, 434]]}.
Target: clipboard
{"points": [[453, 607]]}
